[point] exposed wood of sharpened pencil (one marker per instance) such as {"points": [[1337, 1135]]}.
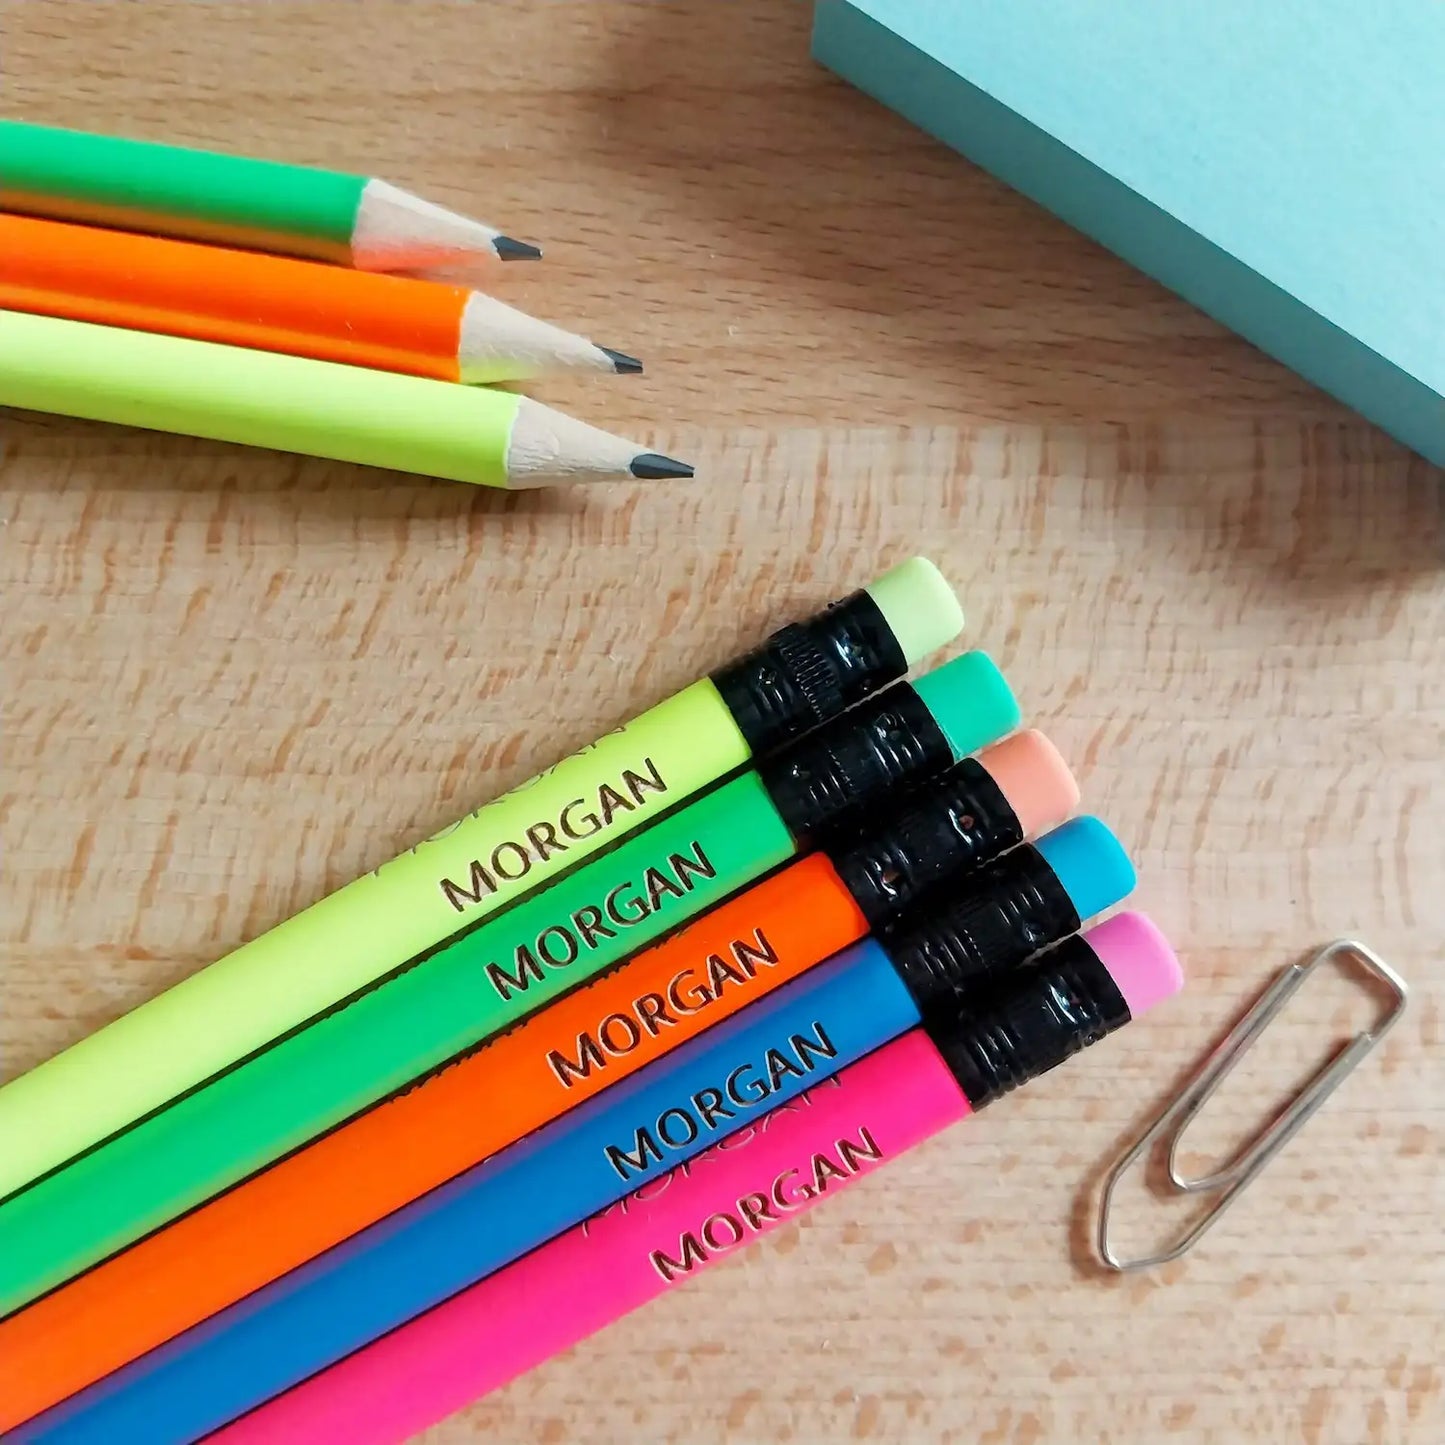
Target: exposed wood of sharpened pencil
{"points": [[397, 231], [548, 447], [499, 343]]}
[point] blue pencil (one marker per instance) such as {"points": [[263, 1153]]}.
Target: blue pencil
{"points": [[496, 1212], [717, 1084]]}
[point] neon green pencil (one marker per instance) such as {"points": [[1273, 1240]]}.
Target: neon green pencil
{"points": [[461, 994], [317, 408], [237, 201], [801, 677]]}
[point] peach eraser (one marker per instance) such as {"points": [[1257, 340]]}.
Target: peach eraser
{"points": [[1034, 779]]}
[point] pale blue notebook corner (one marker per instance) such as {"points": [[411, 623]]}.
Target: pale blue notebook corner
{"points": [[1280, 164]]}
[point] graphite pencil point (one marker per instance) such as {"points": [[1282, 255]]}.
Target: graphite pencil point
{"points": [[509, 250], [621, 362], [653, 467]]}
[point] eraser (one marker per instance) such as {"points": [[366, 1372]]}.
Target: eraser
{"points": [[1140, 960], [970, 701], [1091, 864], [919, 606], [1034, 779]]}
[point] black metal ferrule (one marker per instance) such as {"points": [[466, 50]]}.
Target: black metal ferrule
{"points": [[943, 830], [824, 784], [997, 918], [809, 672], [1030, 1023]]}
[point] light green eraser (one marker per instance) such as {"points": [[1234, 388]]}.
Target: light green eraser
{"points": [[919, 606]]}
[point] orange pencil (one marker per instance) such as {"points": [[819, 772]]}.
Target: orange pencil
{"points": [[275, 303], [561, 1056]]}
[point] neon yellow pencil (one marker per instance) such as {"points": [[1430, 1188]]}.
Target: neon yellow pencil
{"points": [[316, 408], [802, 676]]}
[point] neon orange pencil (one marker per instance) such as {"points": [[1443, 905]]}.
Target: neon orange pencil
{"points": [[522, 1080], [276, 303]]}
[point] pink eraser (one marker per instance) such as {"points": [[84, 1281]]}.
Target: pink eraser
{"points": [[1034, 779], [1139, 958]]}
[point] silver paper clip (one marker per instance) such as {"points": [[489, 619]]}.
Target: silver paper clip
{"points": [[1229, 1180]]}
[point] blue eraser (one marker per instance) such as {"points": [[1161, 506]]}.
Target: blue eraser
{"points": [[1277, 164], [1091, 863]]}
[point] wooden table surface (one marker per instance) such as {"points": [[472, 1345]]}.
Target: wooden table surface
{"points": [[235, 680]]}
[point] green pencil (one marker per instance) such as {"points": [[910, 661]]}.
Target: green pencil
{"points": [[802, 676], [492, 976], [236, 201]]}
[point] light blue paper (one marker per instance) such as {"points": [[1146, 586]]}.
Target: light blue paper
{"points": [[1280, 164]]}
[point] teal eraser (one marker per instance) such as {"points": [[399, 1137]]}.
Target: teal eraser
{"points": [[1279, 165], [971, 702]]}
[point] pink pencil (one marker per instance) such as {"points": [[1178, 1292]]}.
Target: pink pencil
{"points": [[744, 1186]]}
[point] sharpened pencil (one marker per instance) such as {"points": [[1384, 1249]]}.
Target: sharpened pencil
{"points": [[315, 408], [236, 201], [277, 303]]}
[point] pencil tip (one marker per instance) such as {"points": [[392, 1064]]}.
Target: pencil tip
{"points": [[510, 250], [621, 362], [652, 467]]}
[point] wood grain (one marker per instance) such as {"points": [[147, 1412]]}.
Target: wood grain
{"points": [[234, 680]]}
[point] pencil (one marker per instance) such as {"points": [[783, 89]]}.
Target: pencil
{"points": [[802, 676], [354, 1176], [709, 1088], [236, 201], [711, 1208], [489, 978], [277, 303], [316, 408]]}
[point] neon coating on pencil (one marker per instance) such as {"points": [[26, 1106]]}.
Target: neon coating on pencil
{"points": [[391, 1155], [582, 1042], [482, 983], [293, 404], [353, 936], [660, 1235], [280, 1336], [472, 1226], [636, 1249], [278, 303], [475, 987]]}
